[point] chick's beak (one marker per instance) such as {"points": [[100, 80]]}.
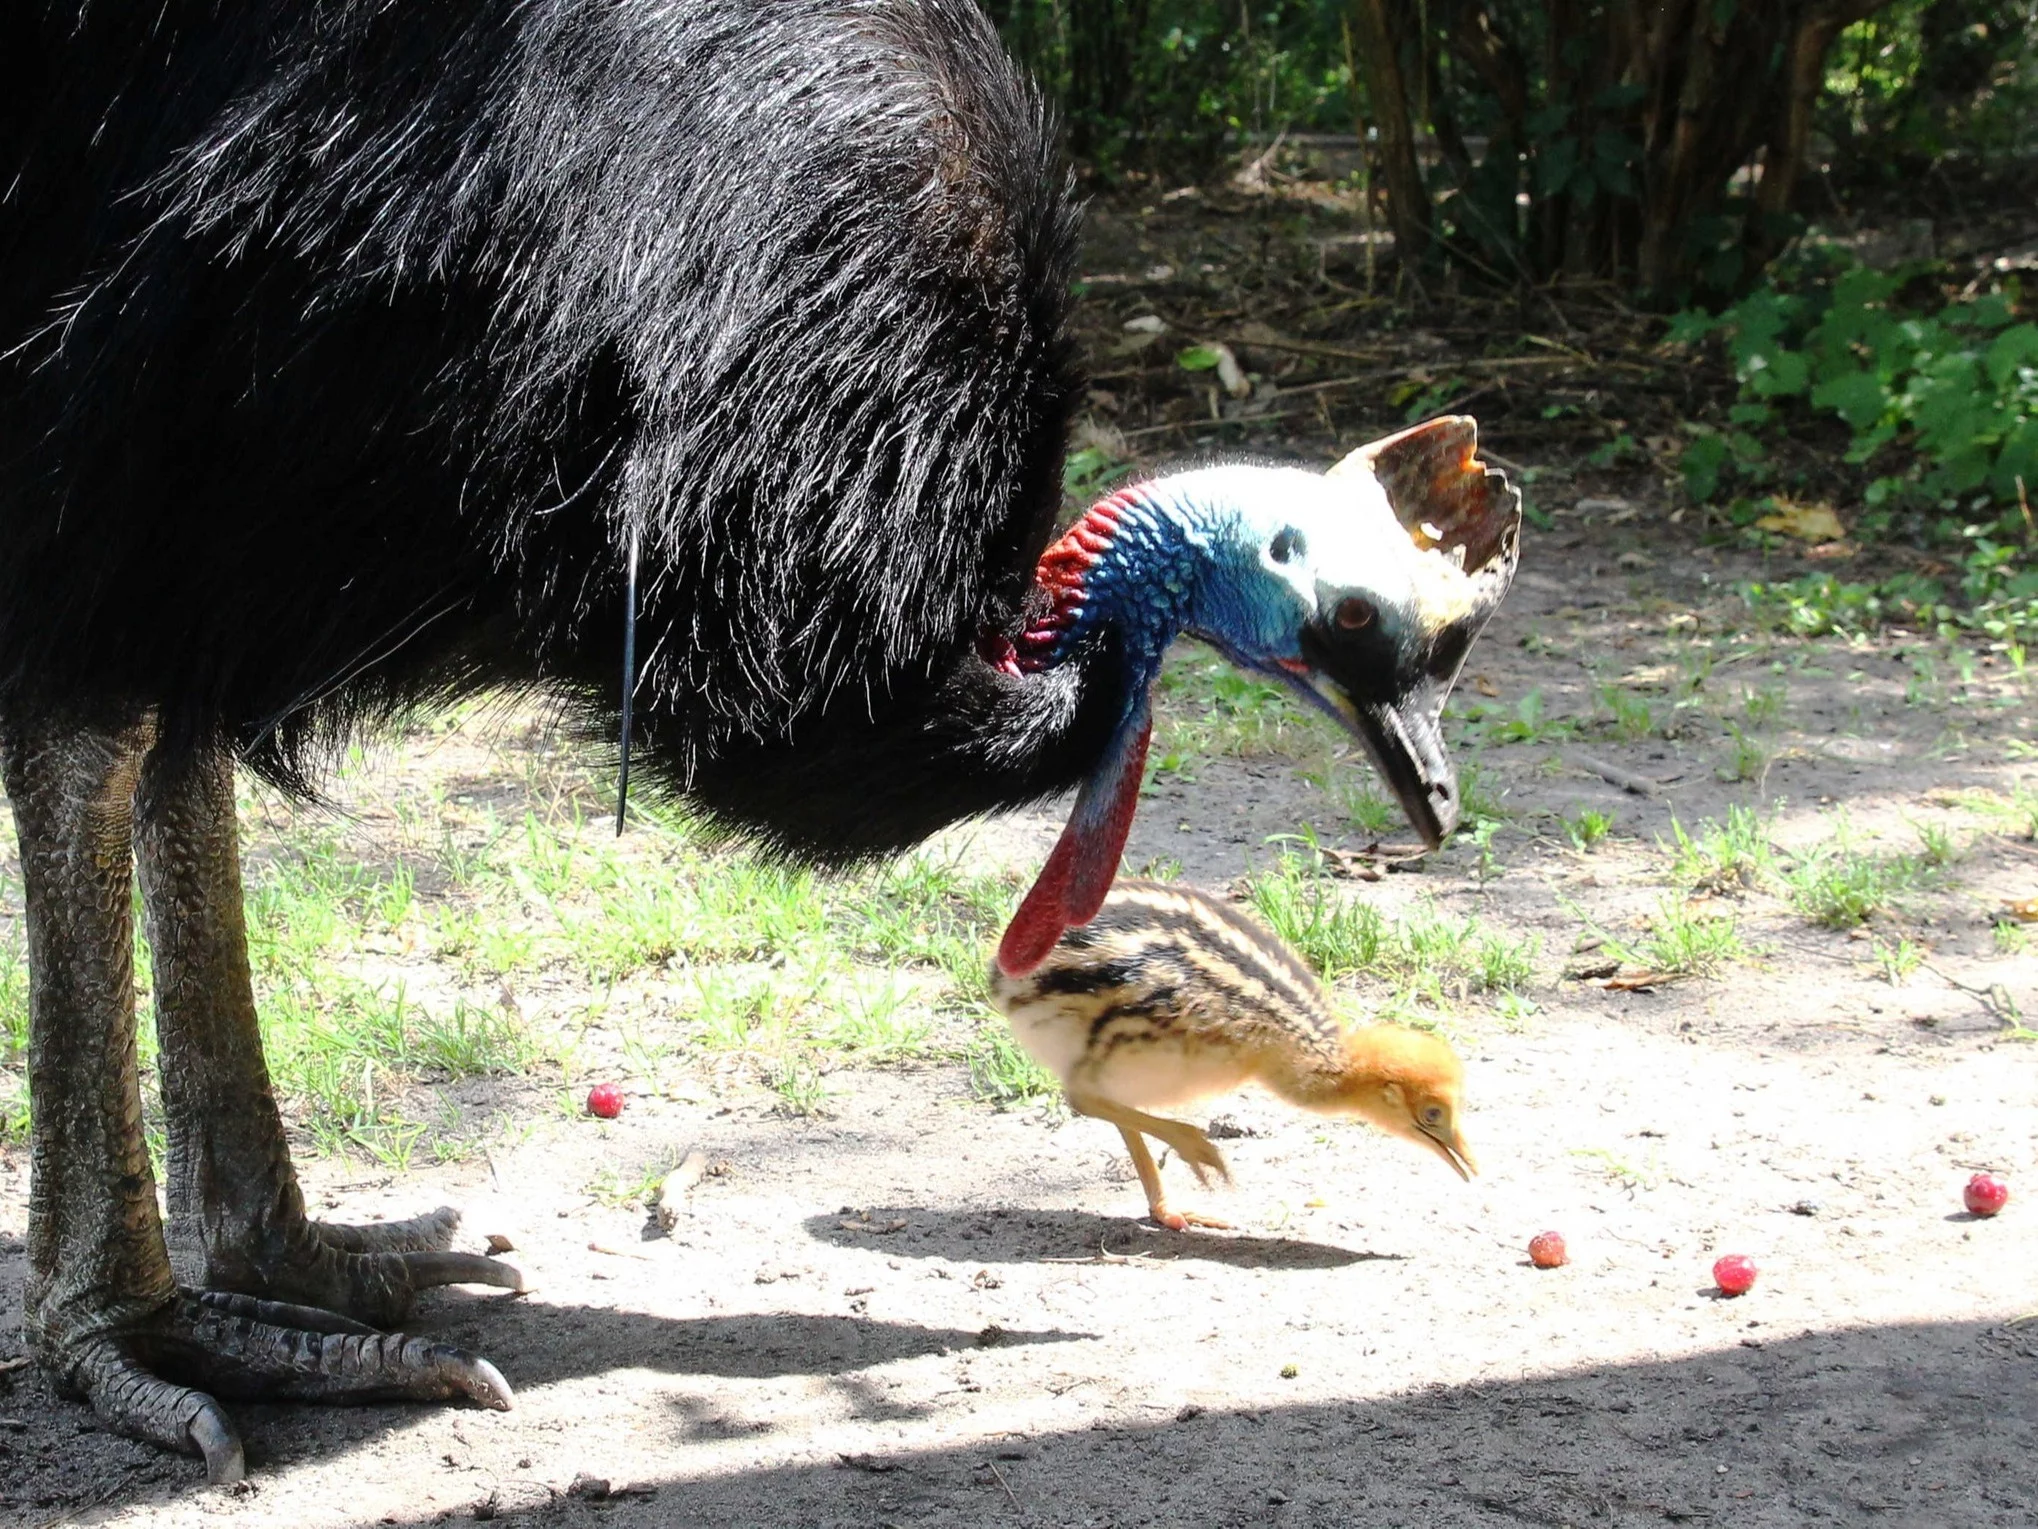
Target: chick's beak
{"points": [[1406, 739], [1450, 1146]]}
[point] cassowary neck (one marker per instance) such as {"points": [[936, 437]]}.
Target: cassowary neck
{"points": [[1125, 580], [1131, 565]]}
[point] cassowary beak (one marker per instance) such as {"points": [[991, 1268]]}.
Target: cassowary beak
{"points": [[1406, 740]]}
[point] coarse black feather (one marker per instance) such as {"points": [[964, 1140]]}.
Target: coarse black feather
{"points": [[342, 344]]}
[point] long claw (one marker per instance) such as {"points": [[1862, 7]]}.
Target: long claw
{"points": [[225, 1461], [429, 1269]]}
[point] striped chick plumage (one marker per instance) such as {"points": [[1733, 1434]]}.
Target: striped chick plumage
{"points": [[1171, 995]]}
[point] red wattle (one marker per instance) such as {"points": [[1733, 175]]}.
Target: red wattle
{"points": [[1072, 885]]}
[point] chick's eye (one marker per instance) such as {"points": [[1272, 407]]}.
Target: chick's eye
{"points": [[1355, 612], [1433, 1116], [1287, 545]]}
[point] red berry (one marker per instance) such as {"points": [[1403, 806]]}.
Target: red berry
{"points": [[1986, 1194], [605, 1100], [1547, 1250], [1734, 1274]]}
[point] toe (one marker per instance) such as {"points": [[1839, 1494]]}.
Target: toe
{"points": [[431, 1233], [134, 1401], [239, 1354], [426, 1270]]}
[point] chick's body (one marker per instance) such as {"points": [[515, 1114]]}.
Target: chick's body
{"points": [[1170, 995]]}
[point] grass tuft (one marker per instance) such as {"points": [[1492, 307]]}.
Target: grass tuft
{"points": [[1838, 885], [1427, 957], [1000, 1070], [1727, 857]]}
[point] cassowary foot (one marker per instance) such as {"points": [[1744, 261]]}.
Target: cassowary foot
{"points": [[244, 1349], [237, 1219], [371, 1272]]}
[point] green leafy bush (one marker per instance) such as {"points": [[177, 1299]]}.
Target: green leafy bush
{"points": [[1942, 402]]}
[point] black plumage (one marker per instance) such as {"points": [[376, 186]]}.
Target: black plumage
{"points": [[345, 342]]}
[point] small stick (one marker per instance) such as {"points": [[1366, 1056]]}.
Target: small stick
{"points": [[1003, 1483], [1614, 775], [1103, 1255], [602, 1247]]}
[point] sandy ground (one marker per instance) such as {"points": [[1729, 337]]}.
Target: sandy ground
{"points": [[919, 1310]]}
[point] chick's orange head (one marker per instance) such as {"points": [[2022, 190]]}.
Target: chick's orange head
{"points": [[1410, 1084]]}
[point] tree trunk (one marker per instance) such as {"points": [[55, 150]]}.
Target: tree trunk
{"points": [[1790, 136], [1408, 209]]}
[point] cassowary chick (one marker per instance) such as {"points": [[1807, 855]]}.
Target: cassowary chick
{"points": [[1170, 995]]}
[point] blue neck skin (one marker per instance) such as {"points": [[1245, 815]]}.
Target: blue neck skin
{"points": [[1167, 569]]}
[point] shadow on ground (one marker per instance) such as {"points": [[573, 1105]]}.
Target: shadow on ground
{"points": [[1904, 1425], [1912, 1425], [918, 1231], [550, 1344]]}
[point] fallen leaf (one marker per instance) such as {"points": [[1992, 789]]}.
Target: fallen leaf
{"points": [[2023, 909], [870, 1463], [499, 1245], [876, 1228], [1484, 686], [677, 1185], [1806, 522], [1632, 981]]}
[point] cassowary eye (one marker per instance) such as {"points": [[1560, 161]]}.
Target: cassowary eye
{"points": [[1287, 545], [1433, 1116], [1355, 612]]}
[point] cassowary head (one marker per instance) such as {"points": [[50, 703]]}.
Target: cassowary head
{"points": [[1362, 589]]}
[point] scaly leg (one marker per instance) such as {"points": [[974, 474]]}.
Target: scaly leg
{"points": [[235, 1209], [1190, 1144], [1156, 1200], [104, 1315]]}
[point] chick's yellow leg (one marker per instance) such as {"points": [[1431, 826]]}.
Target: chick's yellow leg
{"points": [[1156, 1199], [1190, 1144]]}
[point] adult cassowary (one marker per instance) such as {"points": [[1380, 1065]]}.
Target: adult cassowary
{"points": [[353, 355]]}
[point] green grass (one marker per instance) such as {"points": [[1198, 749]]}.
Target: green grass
{"points": [[1527, 721], [1427, 958], [1587, 830], [1897, 962], [1731, 856], [482, 939], [1839, 887], [2014, 813], [1352, 789], [1688, 942], [1627, 716], [1001, 1072], [1203, 707], [1763, 707], [1748, 757], [795, 1077]]}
